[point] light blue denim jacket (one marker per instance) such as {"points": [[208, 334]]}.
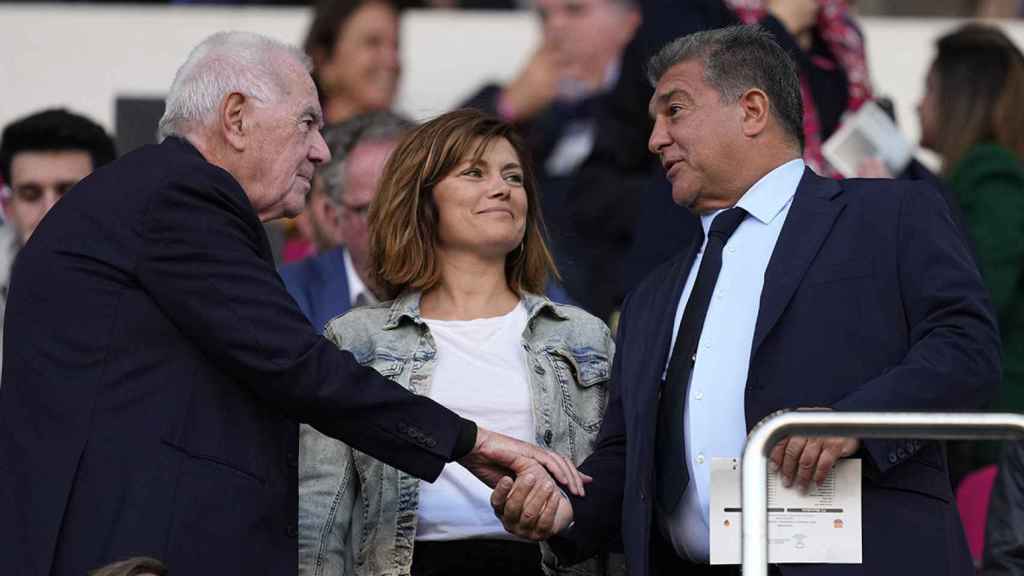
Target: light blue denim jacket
{"points": [[357, 516]]}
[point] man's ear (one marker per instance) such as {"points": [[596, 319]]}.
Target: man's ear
{"points": [[234, 123], [756, 109]]}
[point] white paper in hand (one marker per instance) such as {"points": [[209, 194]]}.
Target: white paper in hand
{"points": [[869, 133], [822, 525]]}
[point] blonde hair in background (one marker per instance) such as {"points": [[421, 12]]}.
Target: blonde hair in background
{"points": [[403, 219]]}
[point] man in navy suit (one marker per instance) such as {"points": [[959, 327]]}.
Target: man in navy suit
{"points": [[807, 292], [155, 411], [331, 283]]}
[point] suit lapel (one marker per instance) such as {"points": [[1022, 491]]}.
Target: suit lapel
{"points": [[810, 219]]}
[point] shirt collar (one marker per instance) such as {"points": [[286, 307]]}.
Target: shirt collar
{"points": [[407, 305], [355, 283], [769, 195]]}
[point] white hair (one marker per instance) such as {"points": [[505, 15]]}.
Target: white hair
{"points": [[223, 63]]}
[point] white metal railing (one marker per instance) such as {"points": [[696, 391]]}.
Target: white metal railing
{"points": [[918, 425]]}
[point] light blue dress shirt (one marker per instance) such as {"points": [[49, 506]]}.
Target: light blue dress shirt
{"points": [[715, 423]]}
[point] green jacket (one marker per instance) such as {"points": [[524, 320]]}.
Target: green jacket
{"points": [[989, 184]]}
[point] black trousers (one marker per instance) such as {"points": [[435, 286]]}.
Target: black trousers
{"points": [[469, 557]]}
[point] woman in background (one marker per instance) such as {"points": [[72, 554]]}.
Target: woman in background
{"points": [[828, 48], [354, 47], [457, 239], [356, 67], [971, 116]]}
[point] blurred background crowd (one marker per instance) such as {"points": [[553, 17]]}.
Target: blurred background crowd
{"points": [[568, 74]]}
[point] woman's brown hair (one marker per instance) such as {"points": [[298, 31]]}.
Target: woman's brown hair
{"points": [[980, 75], [403, 219]]}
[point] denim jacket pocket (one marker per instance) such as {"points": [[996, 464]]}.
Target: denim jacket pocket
{"points": [[581, 375], [386, 362]]}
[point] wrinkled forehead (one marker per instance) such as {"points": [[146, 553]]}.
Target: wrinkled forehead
{"points": [[299, 91], [683, 81]]}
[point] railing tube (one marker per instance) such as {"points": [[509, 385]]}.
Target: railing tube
{"points": [[918, 425]]}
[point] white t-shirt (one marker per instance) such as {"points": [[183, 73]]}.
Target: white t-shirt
{"points": [[480, 373]]}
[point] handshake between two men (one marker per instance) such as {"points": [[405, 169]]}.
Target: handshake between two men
{"points": [[534, 507]]}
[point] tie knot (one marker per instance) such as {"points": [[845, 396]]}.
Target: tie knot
{"points": [[726, 222]]}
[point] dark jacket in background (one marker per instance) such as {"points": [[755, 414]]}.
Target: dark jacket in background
{"points": [[1004, 529], [155, 373], [988, 183], [319, 285], [621, 201]]}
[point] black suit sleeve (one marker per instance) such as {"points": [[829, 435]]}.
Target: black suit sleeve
{"points": [[202, 264], [597, 517]]}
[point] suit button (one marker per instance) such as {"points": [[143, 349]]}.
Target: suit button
{"points": [[901, 453], [548, 436], [643, 495], [291, 531], [402, 427], [431, 443], [892, 458], [538, 369]]}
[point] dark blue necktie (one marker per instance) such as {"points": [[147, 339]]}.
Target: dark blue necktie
{"points": [[669, 446]]}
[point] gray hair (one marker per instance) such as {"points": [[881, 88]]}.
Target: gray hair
{"points": [[223, 63], [342, 139], [736, 59]]}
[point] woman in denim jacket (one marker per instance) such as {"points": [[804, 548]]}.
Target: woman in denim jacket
{"points": [[457, 239]]}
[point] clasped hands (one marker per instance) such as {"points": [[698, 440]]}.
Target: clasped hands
{"points": [[523, 476], [533, 507]]}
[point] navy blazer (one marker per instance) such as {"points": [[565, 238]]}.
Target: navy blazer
{"points": [[155, 370], [319, 285], [870, 302]]}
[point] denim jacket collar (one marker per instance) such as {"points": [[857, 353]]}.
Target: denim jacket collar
{"points": [[407, 305]]}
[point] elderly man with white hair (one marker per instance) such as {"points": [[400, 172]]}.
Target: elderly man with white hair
{"points": [[156, 412]]}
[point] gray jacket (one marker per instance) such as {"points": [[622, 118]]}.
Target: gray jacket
{"points": [[357, 515]]}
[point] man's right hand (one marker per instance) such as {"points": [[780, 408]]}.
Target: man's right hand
{"points": [[530, 507], [534, 88], [496, 456]]}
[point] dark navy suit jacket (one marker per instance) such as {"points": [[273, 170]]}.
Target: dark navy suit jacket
{"points": [[155, 370], [319, 285], [870, 302]]}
